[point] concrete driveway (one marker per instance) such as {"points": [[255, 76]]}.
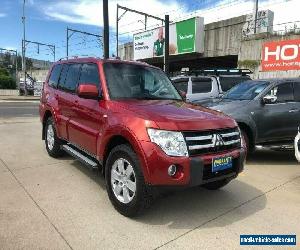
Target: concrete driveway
{"points": [[47, 203]]}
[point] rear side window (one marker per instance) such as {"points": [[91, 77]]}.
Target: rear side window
{"points": [[201, 85], [72, 78], [230, 81], [181, 84], [63, 75], [89, 74], [55, 73], [297, 91]]}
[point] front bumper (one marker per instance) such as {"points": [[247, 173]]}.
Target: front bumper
{"points": [[194, 170]]}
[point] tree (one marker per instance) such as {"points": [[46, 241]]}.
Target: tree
{"points": [[6, 81]]}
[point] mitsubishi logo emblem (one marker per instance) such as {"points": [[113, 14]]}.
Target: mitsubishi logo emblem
{"points": [[217, 140]]}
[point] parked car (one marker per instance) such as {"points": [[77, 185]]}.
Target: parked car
{"points": [[29, 86], [128, 120], [297, 145], [204, 85], [267, 111]]}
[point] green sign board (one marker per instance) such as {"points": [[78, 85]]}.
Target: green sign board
{"points": [[186, 35]]}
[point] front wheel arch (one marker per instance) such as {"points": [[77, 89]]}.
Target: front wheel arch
{"points": [[244, 127], [123, 136]]}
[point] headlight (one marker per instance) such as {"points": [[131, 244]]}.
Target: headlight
{"points": [[243, 144], [171, 142]]}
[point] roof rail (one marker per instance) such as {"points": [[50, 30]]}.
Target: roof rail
{"points": [[218, 72], [77, 56]]}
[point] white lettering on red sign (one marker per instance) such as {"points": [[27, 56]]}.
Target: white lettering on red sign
{"points": [[280, 52]]}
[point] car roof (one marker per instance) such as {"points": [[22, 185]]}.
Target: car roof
{"points": [[96, 60], [273, 80], [280, 80]]}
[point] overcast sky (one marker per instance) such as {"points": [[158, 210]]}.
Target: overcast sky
{"points": [[47, 20]]}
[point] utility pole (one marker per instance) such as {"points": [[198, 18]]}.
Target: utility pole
{"points": [[24, 49], [166, 56], [106, 29], [134, 11], [67, 42], [70, 33], [255, 15]]}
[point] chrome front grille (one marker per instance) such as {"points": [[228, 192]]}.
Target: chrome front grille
{"points": [[212, 141]]}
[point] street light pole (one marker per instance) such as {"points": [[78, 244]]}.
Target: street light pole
{"points": [[24, 49]]}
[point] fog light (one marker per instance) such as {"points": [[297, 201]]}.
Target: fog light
{"points": [[172, 170]]}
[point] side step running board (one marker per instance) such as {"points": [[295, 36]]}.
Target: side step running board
{"points": [[80, 156]]}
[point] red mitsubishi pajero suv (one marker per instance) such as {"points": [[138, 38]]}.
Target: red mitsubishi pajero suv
{"points": [[127, 119]]}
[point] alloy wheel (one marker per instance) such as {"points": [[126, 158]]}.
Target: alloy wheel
{"points": [[123, 180]]}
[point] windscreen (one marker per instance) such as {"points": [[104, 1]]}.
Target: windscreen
{"points": [[247, 90], [130, 81]]}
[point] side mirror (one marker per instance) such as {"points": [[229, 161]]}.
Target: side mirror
{"points": [[88, 91], [269, 99]]}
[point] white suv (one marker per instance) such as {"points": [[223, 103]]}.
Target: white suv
{"points": [[203, 85]]}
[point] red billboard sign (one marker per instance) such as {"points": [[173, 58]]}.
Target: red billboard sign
{"points": [[281, 55]]}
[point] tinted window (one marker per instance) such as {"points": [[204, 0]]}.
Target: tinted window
{"points": [[201, 85], [229, 82], [181, 84], [247, 90], [72, 78], [53, 79], [283, 92], [297, 91], [89, 74], [63, 75]]}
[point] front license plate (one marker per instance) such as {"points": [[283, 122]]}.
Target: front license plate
{"points": [[221, 163]]}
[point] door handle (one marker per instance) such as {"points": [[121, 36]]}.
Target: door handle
{"points": [[294, 110]]}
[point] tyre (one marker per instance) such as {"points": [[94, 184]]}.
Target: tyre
{"points": [[125, 182], [250, 148], [52, 142], [216, 184]]}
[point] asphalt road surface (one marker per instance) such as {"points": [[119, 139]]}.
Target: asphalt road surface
{"points": [[19, 109]]}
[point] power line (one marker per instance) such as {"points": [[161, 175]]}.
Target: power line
{"points": [[73, 31]]}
